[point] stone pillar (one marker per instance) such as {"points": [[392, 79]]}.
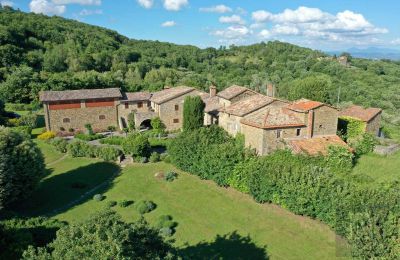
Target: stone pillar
{"points": [[310, 124], [213, 91]]}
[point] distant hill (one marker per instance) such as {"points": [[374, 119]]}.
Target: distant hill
{"points": [[39, 52], [371, 53]]}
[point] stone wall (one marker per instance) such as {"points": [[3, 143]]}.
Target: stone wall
{"points": [[173, 119], [78, 117], [230, 123], [374, 125], [325, 121], [253, 138], [144, 112]]}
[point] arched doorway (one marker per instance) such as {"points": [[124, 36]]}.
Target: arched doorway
{"points": [[145, 125]]}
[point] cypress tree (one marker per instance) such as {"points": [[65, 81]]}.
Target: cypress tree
{"points": [[193, 113]]}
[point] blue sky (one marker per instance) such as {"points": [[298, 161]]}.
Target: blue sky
{"points": [[324, 25]]}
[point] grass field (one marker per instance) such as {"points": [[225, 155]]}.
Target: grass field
{"points": [[379, 168], [212, 221]]}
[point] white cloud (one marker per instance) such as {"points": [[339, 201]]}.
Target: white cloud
{"points": [[233, 32], [236, 19], [395, 41], [80, 2], [216, 9], [46, 7], [261, 16], [168, 24], [146, 3], [265, 34], [6, 3], [175, 5], [312, 23], [86, 12]]}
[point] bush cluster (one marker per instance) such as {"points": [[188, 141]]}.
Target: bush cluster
{"points": [[60, 144], [318, 187], [154, 157], [170, 176], [47, 135], [165, 225], [145, 206], [125, 203], [136, 145], [83, 149]]}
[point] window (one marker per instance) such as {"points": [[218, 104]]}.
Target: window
{"points": [[176, 107], [140, 104], [298, 131], [66, 120], [148, 104], [278, 133], [126, 105], [102, 117], [176, 120]]}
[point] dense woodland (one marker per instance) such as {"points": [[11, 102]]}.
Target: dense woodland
{"points": [[39, 52]]}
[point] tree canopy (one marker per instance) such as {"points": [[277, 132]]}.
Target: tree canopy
{"points": [[193, 113]]}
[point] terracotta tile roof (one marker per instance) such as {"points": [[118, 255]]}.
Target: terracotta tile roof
{"points": [[80, 94], [304, 105], [358, 112], [136, 96], [273, 117], [231, 92], [248, 105], [212, 103], [316, 145], [170, 93]]}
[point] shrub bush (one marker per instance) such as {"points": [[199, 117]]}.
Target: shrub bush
{"points": [[144, 206], [23, 129], [98, 197], [79, 149], [112, 140], [108, 153], [165, 221], [125, 203], [170, 176], [365, 144], [60, 144], [136, 145], [86, 137], [47, 135], [154, 157], [111, 203], [165, 157]]}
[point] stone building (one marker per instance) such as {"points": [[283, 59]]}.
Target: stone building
{"points": [[72, 109], [370, 116]]}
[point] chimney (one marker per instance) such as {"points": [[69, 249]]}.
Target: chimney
{"points": [[270, 90], [310, 124], [213, 91]]}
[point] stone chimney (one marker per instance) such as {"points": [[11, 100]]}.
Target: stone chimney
{"points": [[310, 124], [270, 90], [213, 91]]}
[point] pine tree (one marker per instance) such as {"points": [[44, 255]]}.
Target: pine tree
{"points": [[193, 113]]}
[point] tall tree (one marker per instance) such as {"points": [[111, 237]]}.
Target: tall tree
{"points": [[21, 166], [193, 113]]}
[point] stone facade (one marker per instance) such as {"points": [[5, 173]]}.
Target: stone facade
{"points": [[325, 121], [374, 125], [141, 109], [75, 118]]}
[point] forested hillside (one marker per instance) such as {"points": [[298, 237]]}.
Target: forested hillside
{"points": [[39, 52]]}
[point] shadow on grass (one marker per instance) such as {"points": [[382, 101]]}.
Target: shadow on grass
{"points": [[58, 193], [228, 246]]}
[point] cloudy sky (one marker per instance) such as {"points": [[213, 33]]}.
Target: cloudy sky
{"points": [[324, 25]]}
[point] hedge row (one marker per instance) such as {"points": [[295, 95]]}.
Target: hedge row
{"points": [[83, 149], [368, 215]]}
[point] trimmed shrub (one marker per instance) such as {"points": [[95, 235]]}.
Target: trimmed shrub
{"points": [[136, 145], [154, 157], [79, 149], [98, 197], [125, 203], [144, 206], [47, 135], [60, 144], [170, 176], [86, 137], [108, 153], [111, 203]]}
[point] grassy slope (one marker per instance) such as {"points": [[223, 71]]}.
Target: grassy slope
{"points": [[202, 209], [380, 168]]}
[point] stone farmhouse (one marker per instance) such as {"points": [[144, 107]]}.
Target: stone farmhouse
{"points": [[370, 116], [267, 123]]}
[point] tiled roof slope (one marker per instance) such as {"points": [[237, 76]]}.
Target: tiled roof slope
{"points": [[165, 95], [316, 145], [358, 112], [212, 103], [248, 105], [273, 117], [80, 94], [136, 96], [304, 105], [231, 92]]}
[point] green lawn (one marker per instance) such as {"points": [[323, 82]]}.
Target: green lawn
{"points": [[212, 221], [379, 168], [50, 154]]}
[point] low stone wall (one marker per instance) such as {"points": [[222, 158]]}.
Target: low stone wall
{"points": [[386, 149]]}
